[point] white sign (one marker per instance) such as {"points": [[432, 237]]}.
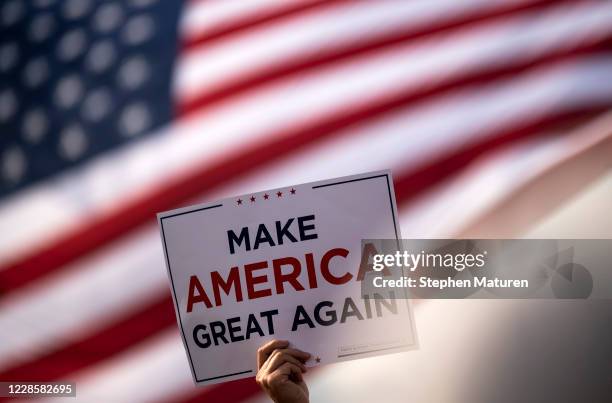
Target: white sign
{"points": [[283, 264]]}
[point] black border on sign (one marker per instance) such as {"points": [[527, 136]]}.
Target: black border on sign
{"points": [[373, 351], [176, 304], [386, 176]]}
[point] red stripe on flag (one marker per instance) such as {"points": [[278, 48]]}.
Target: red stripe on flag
{"points": [[131, 330], [233, 392], [410, 185]]}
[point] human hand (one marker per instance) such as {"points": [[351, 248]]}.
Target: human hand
{"points": [[279, 372]]}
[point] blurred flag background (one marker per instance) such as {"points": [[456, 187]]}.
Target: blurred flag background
{"points": [[492, 115]]}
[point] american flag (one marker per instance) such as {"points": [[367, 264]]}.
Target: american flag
{"points": [[489, 113]]}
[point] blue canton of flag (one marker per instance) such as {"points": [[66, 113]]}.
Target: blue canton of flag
{"points": [[80, 77]]}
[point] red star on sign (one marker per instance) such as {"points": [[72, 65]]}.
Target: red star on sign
{"points": [[252, 199], [239, 201], [266, 196], [292, 191], [279, 194]]}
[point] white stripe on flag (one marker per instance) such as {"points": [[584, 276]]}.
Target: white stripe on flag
{"points": [[202, 17]]}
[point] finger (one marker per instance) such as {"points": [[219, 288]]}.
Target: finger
{"points": [[264, 351], [275, 360], [298, 355], [294, 352], [283, 373], [278, 358]]}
